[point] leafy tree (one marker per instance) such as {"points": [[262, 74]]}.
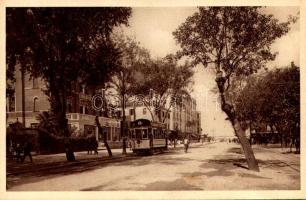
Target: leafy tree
{"points": [[123, 81], [63, 46], [165, 81], [236, 41], [273, 99]]}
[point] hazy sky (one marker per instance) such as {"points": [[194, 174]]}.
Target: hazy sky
{"points": [[153, 28]]}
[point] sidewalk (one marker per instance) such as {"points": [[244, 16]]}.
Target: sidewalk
{"points": [[44, 162], [54, 161]]}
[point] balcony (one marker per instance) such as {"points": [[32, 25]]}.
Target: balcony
{"points": [[104, 121], [85, 97]]}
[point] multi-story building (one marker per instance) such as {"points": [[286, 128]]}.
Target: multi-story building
{"points": [[80, 113], [185, 118], [134, 111]]}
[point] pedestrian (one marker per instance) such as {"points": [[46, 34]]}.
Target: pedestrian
{"points": [[186, 144], [130, 144], [27, 151], [18, 150], [95, 146]]}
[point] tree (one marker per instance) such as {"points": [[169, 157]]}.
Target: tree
{"points": [[123, 80], [272, 98], [236, 41], [165, 81], [63, 46], [100, 129]]}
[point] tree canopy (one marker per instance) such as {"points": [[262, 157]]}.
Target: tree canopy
{"points": [[63, 46], [164, 79], [236, 41], [272, 98]]}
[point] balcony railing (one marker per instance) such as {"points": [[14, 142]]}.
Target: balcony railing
{"points": [[104, 121], [86, 97]]}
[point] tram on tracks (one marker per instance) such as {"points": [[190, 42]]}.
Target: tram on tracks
{"points": [[147, 137]]}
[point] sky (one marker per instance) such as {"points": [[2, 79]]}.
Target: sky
{"points": [[153, 28]]}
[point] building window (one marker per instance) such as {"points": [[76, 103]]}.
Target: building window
{"points": [[144, 111], [86, 110], [34, 125], [81, 109], [35, 83], [35, 106], [132, 111]]}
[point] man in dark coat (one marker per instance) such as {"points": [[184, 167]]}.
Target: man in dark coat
{"points": [[27, 151]]}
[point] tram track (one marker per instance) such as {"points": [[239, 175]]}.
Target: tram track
{"points": [[55, 167]]}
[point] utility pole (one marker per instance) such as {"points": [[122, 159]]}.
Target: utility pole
{"points": [[23, 94]]}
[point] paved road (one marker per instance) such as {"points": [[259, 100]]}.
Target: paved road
{"points": [[218, 166]]}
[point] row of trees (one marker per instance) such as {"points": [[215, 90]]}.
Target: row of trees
{"points": [[64, 46], [151, 82], [272, 99]]}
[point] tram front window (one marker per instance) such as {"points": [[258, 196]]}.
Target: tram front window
{"points": [[138, 133], [144, 133]]}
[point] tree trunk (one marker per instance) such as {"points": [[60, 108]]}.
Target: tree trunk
{"points": [[229, 110], [123, 134], [109, 151], [248, 152], [58, 107], [100, 131]]}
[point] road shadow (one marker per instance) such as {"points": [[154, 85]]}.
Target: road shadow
{"points": [[226, 165], [18, 173], [176, 185], [236, 150], [165, 159], [40, 172]]}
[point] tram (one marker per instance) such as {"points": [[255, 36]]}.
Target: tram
{"points": [[147, 137]]}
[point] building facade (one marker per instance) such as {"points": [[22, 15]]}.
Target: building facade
{"points": [[184, 117], [80, 113]]}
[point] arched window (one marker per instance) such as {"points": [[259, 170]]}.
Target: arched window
{"points": [[35, 105]]}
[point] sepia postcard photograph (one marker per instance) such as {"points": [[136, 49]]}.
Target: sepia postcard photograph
{"points": [[152, 101]]}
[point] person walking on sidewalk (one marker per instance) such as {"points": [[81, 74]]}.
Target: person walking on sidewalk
{"points": [[18, 150], [186, 144], [27, 151]]}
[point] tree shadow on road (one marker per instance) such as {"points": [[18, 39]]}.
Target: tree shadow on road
{"points": [[164, 160], [40, 172], [226, 165], [175, 185], [178, 184]]}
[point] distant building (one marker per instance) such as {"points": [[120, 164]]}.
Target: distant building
{"points": [[185, 118], [181, 118], [140, 111]]}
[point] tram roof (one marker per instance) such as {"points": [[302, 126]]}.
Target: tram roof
{"points": [[146, 122]]}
